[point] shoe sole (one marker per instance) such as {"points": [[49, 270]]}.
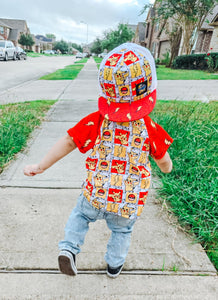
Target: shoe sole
{"points": [[66, 265]]}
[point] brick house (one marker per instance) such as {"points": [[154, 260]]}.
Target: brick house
{"points": [[4, 30], [157, 40], [43, 43], [208, 34], [139, 37], [11, 29]]}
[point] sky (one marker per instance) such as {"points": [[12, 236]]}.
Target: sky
{"points": [[70, 19]]}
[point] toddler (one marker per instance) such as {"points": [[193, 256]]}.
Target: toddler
{"points": [[121, 136]]}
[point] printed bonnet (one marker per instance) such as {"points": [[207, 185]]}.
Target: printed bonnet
{"points": [[127, 83]]}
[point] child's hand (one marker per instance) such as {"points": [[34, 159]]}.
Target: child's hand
{"points": [[32, 170]]}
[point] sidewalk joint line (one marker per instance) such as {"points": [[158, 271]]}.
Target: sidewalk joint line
{"points": [[102, 272]]}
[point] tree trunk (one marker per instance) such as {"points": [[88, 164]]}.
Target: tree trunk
{"points": [[175, 40]]}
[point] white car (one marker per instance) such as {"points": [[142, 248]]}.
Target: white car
{"points": [[79, 55], [102, 55], [49, 52], [7, 50]]}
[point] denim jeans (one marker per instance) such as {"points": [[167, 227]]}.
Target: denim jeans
{"points": [[78, 225]]}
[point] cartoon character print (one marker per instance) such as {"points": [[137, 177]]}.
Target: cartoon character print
{"points": [[133, 156], [130, 183], [113, 60], [146, 67], [121, 137], [120, 76], [100, 179], [138, 127], [110, 89], [120, 151], [135, 70], [118, 168], [127, 211], [108, 74], [130, 58], [103, 150]]}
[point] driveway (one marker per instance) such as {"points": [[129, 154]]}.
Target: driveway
{"points": [[13, 73]]}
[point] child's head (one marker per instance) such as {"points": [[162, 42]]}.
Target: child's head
{"points": [[127, 82]]}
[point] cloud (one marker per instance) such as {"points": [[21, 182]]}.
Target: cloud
{"points": [[63, 18]]}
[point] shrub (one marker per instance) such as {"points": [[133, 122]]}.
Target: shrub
{"points": [[166, 59], [196, 62]]}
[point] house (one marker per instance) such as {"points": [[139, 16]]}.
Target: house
{"points": [[11, 29], [157, 38], [208, 34], [43, 43], [139, 37], [4, 31]]}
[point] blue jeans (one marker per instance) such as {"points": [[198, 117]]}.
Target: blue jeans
{"points": [[78, 225]]}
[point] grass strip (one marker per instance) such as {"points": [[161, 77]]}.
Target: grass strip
{"points": [[17, 121], [164, 73], [98, 60], [192, 187], [81, 61], [68, 73]]}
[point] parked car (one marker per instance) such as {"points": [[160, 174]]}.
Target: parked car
{"points": [[102, 55], [79, 55], [49, 52], [7, 50], [20, 53]]}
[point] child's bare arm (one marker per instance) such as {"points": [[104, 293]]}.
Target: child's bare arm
{"points": [[165, 163], [63, 147]]}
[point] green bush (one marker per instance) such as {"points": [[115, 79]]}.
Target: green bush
{"points": [[195, 61]]}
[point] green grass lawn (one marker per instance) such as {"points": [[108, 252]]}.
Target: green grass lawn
{"points": [[164, 73], [97, 59], [81, 61], [68, 73], [17, 121], [34, 54], [192, 187]]}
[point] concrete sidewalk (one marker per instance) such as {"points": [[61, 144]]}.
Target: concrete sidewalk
{"points": [[34, 212]]}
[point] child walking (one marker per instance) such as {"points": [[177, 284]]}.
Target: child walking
{"points": [[121, 136]]}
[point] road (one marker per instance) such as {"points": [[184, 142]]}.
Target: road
{"points": [[13, 73]]}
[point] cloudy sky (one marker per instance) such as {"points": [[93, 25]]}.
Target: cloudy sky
{"points": [[68, 19]]}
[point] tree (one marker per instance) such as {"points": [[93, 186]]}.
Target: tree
{"points": [[50, 36], [114, 38], [26, 40], [187, 15], [77, 47], [62, 46], [96, 47]]}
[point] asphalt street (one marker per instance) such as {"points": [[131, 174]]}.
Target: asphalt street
{"points": [[14, 73]]}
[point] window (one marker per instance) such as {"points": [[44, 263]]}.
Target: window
{"points": [[2, 31], [153, 48], [156, 26], [147, 31]]}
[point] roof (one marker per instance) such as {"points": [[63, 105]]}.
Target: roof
{"points": [[21, 25], [3, 24], [42, 38], [210, 18]]}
